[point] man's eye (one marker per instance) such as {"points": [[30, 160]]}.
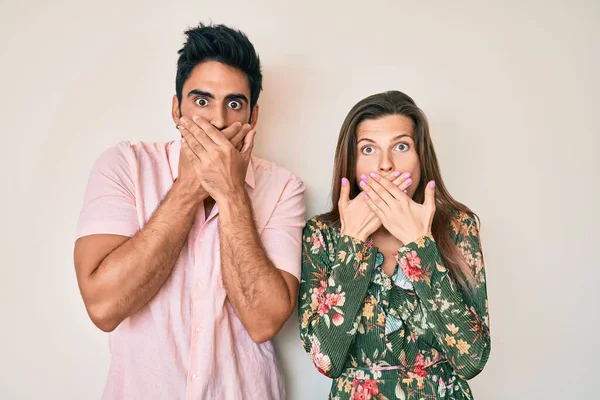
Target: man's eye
{"points": [[235, 105], [202, 102], [368, 150], [402, 147]]}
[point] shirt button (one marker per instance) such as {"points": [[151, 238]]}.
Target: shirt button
{"points": [[197, 330], [194, 377]]}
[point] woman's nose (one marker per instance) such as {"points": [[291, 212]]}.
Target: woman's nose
{"points": [[386, 166]]}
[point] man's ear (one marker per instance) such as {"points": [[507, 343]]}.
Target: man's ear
{"points": [[175, 110], [254, 116]]}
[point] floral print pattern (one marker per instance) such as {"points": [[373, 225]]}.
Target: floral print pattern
{"points": [[411, 266], [414, 335]]}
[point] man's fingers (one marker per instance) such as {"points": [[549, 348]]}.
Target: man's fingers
{"points": [[188, 152], [232, 130], [194, 145], [248, 144], [238, 139], [212, 133], [197, 132]]}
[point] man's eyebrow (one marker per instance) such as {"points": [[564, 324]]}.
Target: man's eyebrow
{"points": [[231, 96], [198, 92], [237, 96]]}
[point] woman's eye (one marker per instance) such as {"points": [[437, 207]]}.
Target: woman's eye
{"points": [[402, 147], [368, 150], [235, 105], [202, 102]]}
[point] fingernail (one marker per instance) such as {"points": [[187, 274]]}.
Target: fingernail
{"points": [[373, 175], [366, 196], [408, 181], [407, 175], [364, 177], [363, 184], [397, 173], [432, 184], [344, 181]]}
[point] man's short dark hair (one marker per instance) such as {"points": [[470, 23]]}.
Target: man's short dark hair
{"points": [[222, 44]]}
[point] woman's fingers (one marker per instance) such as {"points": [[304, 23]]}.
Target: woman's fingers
{"points": [[402, 181], [376, 196], [344, 194], [374, 205], [430, 196], [386, 189]]}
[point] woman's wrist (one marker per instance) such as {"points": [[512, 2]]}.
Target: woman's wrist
{"points": [[406, 239], [353, 234]]}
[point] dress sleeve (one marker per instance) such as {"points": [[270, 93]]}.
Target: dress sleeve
{"points": [[334, 281]]}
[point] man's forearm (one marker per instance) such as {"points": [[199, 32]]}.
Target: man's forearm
{"points": [[255, 287], [134, 272]]}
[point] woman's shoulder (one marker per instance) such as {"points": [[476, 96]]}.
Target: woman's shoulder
{"points": [[320, 226], [464, 223], [318, 223], [465, 216]]}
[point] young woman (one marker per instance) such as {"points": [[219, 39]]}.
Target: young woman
{"points": [[393, 299]]}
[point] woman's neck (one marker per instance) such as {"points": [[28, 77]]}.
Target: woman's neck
{"points": [[387, 245]]}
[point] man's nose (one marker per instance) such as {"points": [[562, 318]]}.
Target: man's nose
{"points": [[217, 118]]}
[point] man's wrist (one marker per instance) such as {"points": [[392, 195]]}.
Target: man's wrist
{"points": [[190, 194], [234, 204]]}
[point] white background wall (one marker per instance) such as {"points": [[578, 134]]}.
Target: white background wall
{"points": [[511, 89]]}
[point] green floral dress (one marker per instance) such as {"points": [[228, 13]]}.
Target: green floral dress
{"points": [[414, 335]]}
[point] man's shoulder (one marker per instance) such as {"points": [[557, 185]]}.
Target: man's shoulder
{"points": [[153, 149], [269, 172], [138, 152], [139, 148]]}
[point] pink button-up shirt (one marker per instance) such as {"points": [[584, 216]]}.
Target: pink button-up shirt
{"points": [[187, 342]]}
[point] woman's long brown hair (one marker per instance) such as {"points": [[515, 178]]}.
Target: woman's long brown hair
{"points": [[398, 103]]}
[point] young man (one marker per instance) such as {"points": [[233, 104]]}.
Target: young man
{"points": [[188, 252]]}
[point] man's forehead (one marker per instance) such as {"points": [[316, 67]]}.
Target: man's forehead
{"points": [[218, 79]]}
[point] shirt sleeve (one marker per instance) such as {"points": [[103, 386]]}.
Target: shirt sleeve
{"points": [[282, 236], [109, 205]]}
